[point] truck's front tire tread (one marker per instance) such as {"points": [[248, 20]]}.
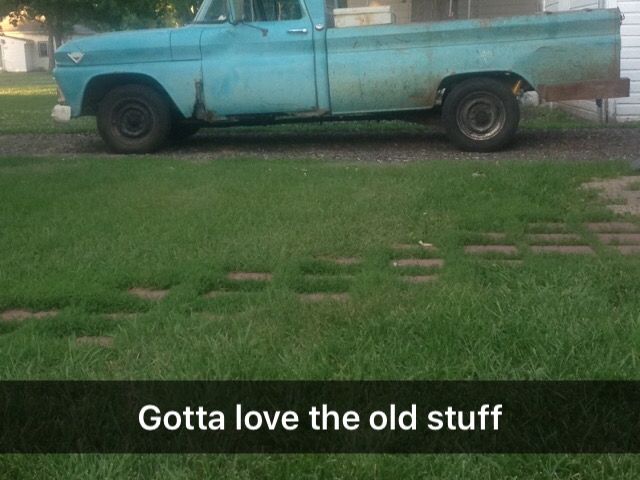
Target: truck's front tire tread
{"points": [[134, 119]]}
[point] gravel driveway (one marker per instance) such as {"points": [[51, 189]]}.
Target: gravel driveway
{"points": [[350, 144]]}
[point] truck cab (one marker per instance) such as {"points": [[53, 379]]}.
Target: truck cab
{"points": [[257, 62]]}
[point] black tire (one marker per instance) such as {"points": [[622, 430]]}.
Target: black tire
{"points": [[481, 115], [180, 130], [134, 119]]}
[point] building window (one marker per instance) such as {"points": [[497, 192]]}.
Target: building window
{"points": [[43, 49]]}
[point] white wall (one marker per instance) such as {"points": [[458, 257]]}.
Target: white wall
{"points": [[35, 62], [628, 109], [14, 54], [38, 62]]}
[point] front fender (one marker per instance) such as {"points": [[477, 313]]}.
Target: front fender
{"points": [[177, 79]]}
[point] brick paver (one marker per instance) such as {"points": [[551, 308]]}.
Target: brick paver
{"points": [[543, 238], [104, 342], [491, 249], [324, 297], [619, 238], [564, 249], [149, 294], [613, 227], [419, 262], [250, 277], [22, 315], [629, 249]]}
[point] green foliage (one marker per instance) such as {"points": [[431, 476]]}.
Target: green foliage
{"points": [[61, 15]]}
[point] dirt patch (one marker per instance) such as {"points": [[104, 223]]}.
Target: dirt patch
{"points": [[491, 249], [104, 342], [564, 249], [613, 227], [149, 294], [351, 143], [250, 277], [419, 262], [22, 315], [618, 193], [324, 297]]}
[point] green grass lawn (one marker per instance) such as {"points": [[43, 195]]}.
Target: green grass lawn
{"points": [[26, 101], [76, 235]]}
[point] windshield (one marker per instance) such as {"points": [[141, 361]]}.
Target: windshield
{"points": [[213, 11]]}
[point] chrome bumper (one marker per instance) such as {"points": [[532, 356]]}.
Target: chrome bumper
{"points": [[61, 113]]}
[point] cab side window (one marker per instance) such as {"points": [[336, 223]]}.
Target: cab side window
{"points": [[218, 12], [271, 10]]}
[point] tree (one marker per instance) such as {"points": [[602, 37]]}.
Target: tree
{"points": [[60, 16]]}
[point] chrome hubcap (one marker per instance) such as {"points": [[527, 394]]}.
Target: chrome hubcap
{"points": [[481, 116], [133, 119]]}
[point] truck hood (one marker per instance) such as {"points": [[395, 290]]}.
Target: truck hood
{"points": [[142, 46]]}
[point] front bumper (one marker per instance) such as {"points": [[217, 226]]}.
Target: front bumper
{"points": [[61, 113]]}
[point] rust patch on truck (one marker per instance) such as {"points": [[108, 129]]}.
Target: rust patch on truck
{"points": [[200, 111], [585, 90]]}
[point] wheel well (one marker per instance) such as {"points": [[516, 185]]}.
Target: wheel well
{"points": [[99, 86], [508, 78]]}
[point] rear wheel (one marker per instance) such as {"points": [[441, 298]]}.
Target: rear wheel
{"points": [[481, 115], [134, 119]]}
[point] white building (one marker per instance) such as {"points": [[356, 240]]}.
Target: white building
{"points": [[25, 47], [621, 109], [17, 54]]}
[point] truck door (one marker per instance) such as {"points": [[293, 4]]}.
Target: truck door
{"points": [[261, 64]]}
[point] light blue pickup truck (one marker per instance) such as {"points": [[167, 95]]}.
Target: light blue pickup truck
{"points": [[259, 62]]}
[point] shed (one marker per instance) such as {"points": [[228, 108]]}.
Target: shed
{"points": [[16, 54], [25, 46], [620, 109]]}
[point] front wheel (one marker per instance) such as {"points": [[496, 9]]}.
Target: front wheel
{"points": [[134, 119], [481, 115]]}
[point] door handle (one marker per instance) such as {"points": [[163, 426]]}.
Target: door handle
{"points": [[303, 31]]}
